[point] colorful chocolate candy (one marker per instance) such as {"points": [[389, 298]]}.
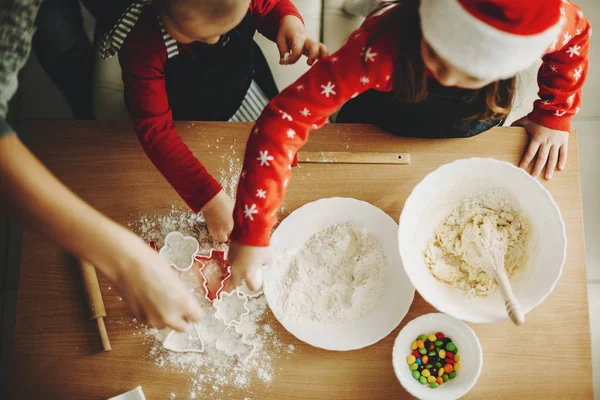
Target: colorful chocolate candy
{"points": [[433, 359]]}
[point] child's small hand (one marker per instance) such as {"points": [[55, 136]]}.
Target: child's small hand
{"points": [[293, 43], [218, 213], [550, 145], [247, 263]]}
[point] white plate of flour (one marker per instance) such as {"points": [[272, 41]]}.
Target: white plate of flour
{"points": [[337, 281]]}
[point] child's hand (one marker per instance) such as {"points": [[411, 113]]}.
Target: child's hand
{"points": [[247, 263], [218, 213], [151, 289], [550, 145], [293, 43]]}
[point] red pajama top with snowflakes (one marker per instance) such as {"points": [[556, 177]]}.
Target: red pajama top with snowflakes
{"points": [[366, 62], [143, 57]]}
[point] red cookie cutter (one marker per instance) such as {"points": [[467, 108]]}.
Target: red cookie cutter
{"points": [[214, 285]]}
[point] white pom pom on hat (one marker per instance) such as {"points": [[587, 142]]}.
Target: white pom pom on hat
{"points": [[491, 39]]}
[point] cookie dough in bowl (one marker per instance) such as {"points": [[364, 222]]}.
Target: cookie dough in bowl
{"points": [[481, 198]]}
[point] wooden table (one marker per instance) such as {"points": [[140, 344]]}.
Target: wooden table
{"points": [[57, 348]]}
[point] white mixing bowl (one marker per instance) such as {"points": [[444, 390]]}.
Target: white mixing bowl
{"points": [[440, 192]]}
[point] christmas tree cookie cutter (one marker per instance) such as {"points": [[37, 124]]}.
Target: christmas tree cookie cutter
{"points": [[235, 345], [184, 342], [179, 250], [231, 307], [213, 287]]}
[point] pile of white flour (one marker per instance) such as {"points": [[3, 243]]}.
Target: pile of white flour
{"points": [[337, 276], [452, 255], [212, 374]]}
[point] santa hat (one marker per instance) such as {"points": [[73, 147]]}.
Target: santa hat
{"points": [[490, 39]]}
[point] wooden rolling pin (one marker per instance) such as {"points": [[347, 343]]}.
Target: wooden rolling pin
{"points": [[95, 302], [347, 157]]}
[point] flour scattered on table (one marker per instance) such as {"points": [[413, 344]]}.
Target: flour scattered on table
{"points": [[337, 276], [452, 255], [213, 373]]}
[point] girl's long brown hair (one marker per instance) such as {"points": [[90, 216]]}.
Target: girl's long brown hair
{"points": [[493, 101]]}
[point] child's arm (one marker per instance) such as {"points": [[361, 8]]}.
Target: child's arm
{"points": [[146, 99], [560, 80], [283, 128], [280, 21]]}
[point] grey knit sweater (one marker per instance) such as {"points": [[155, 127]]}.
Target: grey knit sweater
{"points": [[17, 25]]}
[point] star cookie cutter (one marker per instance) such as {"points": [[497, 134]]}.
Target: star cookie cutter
{"points": [[183, 342], [231, 307], [213, 286], [179, 250], [235, 344]]}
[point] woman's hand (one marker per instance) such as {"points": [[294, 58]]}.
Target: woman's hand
{"points": [[550, 145], [218, 213], [293, 43], [247, 263], [151, 289]]}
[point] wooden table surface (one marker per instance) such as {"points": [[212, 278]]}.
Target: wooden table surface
{"points": [[57, 349]]}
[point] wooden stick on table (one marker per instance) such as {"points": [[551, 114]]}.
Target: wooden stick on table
{"points": [[95, 302], [347, 157]]}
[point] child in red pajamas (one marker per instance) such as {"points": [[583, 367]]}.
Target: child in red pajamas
{"points": [[476, 45], [197, 60]]}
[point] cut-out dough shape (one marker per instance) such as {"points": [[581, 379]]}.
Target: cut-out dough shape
{"points": [[214, 271], [209, 328], [184, 342], [231, 307], [179, 251], [235, 345]]}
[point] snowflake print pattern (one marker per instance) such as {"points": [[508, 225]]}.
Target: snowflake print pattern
{"points": [[285, 183], [250, 212], [300, 87], [364, 80], [370, 55], [285, 115], [566, 37], [255, 130], [573, 50], [334, 60], [563, 12], [290, 155], [545, 102], [553, 68], [578, 32], [553, 47], [577, 109], [291, 133], [579, 14], [264, 158], [565, 1], [328, 89], [261, 194], [577, 72], [559, 113], [570, 100], [305, 112], [244, 174]]}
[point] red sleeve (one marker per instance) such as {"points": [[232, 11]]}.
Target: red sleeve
{"points": [[282, 129], [142, 59], [563, 72], [269, 14]]}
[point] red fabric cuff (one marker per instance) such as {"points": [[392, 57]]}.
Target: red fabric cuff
{"points": [[550, 120], [243, 235]]}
